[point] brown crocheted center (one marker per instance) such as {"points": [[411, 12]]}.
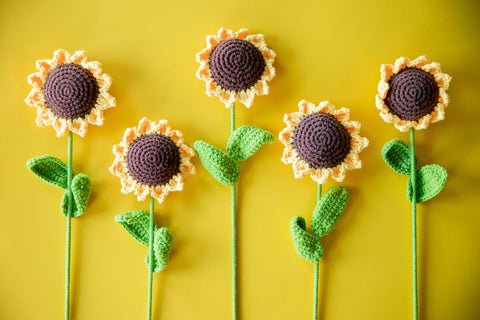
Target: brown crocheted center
{"points": [[236, 64], [413, 94], [153, 159], [70, 91], [321, 140]]}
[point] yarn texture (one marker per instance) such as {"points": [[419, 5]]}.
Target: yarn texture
{"points": [[81, 189], [236, 64], [306, 245], [70, 91], [396, 154], [328, 210], [219, 164], [430, 181], [413, 94], [246, 140]]}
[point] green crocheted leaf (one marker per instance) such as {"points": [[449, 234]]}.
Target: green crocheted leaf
{"points": [[396, 154], [430, 181], [50, 170], [137, 224], [81, 189], [307, 245], [328, 210], [246, 140], [223, 168], [161, 249]]}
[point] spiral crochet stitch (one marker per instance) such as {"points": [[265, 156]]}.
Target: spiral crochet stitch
{"points": [[321, 140], [153, 159], [413, 94], [70, 91], [236, 64]]}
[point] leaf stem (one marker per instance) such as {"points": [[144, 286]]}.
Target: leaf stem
{"points": [[68, 226], [150, 260], [413, 174], [315, 280], [234, 230]]}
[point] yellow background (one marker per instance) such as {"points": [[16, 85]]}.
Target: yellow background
{"points": [[325, 50]]}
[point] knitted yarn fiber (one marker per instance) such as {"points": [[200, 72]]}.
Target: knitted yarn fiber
{"points": [[413, 94], [153, 159], [70, 91], [236, 64], [321, 140]]}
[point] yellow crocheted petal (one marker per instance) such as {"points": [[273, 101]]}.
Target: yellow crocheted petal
{"points": [[176, 183], [433, 68], [160, 193], [256, 38], [247, 98], [387, 116], [228, 98], [285, 136], [36, 80], [212, 41], [443, 97], [300, 168], [187, 167], [78, 126], [203, 72], [320, 175], [128, 184], [120, 150], [400, 64], [353, 127], [78, 57], [44, 117], [161, 127], [288, 155], [60, 56], [438, 114], [261, 88], [291, 119], [60, 126], [403, 125], [352, 161], [443, 80], [225, 33], [269, 72], [94, 67], [325, 107], [105, 101], [386, 71], [141, 191], [95, 117], [177, 137], [423, 123], [44, 66], [210, 87], [144, 126], [419, 62], [268, 54], [342, 115], [130, 135], [382, 88], [104, 82], [34, 98], [242, 33], [338, 173]]}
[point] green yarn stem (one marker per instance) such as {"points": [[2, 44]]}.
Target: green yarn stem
{"points": [[234, 230], [68, 227], [150, 260], [315, 281], [413, 167]]}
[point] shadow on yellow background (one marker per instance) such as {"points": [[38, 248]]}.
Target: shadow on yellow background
{"points": [[326, 50]]}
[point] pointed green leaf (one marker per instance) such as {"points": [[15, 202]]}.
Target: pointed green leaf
{"points": [[328, 210], [161, 249], [81, 189], [223, 168], [137, 224], [307, 245], [430, 181], [246, 140], [396, 154], [50, 170]]}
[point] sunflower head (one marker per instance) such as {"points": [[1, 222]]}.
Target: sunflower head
{"points": [[69, 92], [322, 141], [152, 159], [236, 66], [412, 93]]}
